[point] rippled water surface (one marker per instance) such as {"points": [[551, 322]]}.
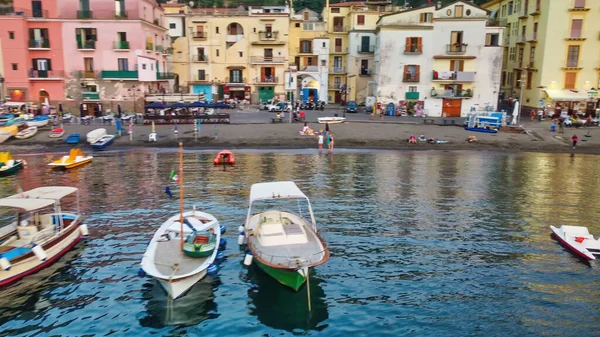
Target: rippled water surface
{"points": [[422, 243]]}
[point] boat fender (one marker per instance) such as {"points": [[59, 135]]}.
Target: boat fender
{"points": [[222, 244], [5, 264], [84, 230], [241, 238], [241, 229], [220, 256], [39, 252], [248, 259], [212, 270], [141, 273], [223, 229]]}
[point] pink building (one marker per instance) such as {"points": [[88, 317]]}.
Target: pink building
{"points": [[32, 50], [115, 51]]}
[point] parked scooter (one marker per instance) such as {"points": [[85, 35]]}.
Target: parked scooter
{"points": [[321, 106], [308, 106]]}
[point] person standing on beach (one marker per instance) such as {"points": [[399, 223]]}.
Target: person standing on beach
{"points": [[320, 141], [326, 127], [330, 143], [574, 139], [561, 125]]}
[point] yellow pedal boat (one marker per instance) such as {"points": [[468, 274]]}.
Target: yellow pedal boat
{"points": [[74, 159]]}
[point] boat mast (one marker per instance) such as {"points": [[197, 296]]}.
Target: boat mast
{"points": [[181, 194]]}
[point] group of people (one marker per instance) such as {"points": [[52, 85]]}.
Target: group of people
{"points": [[322, 137]]}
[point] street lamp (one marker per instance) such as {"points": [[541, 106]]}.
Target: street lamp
{"points": [[522, 80], [133, 92]]}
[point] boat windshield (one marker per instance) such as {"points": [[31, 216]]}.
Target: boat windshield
{"points": [[300, 207]]}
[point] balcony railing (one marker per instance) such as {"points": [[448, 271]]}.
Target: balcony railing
{"points": [[458, 76], [199, 36], [12, 11], [456, 48], [39, 44], [121, 15], [310, 69], [575, 35], [204, 78], [159, 49], [413, 49], [235, 80], [149, 46], [46, 74], [340, 28], [523, 13], [337, 70], [267, 59], [268, 36], [200, 58], [365, 72], [304, 50], [90, 95], [121, 45], [412, 77], [335, 86], [366, 49], [83, 45], [120, 74], [267, 80], [233, 38], [521, 39], [85, 14], [454, 93], [165, 76], [86, 74], [532, 37], [411, 95], [340, 50]]}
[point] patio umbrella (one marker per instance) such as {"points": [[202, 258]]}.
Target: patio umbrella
{"points": [[197, 105], [178, 105], [155, 105], [218, 106]]}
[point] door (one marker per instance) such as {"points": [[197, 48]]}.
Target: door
{"points": [[268, 54], [88, 66], [36, 9], [337, 98], [338, 45], [364, 44], [451, 107], [456, 40], [337, 63], [265, 93]]}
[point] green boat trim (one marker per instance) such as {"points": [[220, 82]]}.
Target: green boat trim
{"points": [[12, 170], [288, 277], [200, 244]]}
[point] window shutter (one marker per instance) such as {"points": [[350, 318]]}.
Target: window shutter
{"points": [[452, 65], [461, 65], [407, 46], [570, 80], [420, 44], [49, 64], [35, 67], [418, 74], [422, 17], [488, 39], [406, 69]]}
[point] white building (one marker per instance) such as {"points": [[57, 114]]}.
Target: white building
{"points": [[445, 58]]}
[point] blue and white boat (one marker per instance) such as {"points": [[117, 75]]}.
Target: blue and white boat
{"points": [[73, 138], [103, 142], [38, 121]]}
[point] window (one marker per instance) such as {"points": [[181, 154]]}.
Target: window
{"points": [[337, 82], [201, 75], [529, 79], [573, 57], [152, 66], [297, 25], [38, 38], [413, 89], [579, 4], [492, 39], [458, 11], [512, 54], [305, 15], [217, 30], [86, 38], [412, 73], [36, 9], [305, 46], [123, 64], [338, 45], [338, 24], [531, 56], [360, 20], [11, 35], [503, 78], [42, 64], [235, 76], [90, 88], [120, 8], [517, 78], [521, 53], [364, 67], [88, 64], [172, 25], [241, 53], [570, 79], [413, 45], [337, 63], [510, 8], [425, 17], [503, 11], [509, 79], [335, 10], [576, 25], [457, 65], [324, 45], [217, 52], [143, 66], [537, 5]]}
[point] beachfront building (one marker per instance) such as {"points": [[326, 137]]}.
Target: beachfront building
{"points": [[115, 52], [32, 52], [550, 52], [309, 57], [444, 58], [337, 21]]}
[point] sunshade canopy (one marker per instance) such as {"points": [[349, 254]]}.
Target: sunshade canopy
{"points": [[47, 192], [276, 190], [26, 204], [567, 95]]}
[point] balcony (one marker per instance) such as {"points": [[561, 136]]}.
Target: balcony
{"points": [[413, 49], [454, 76], [203, 58], [12, 11], [339, 50], [304, 50], [335, 86], [86, 45], [411, 95], [340, 28], [48, 75], [201, 36], [411, 77], [39, 44], [85, 14], [238, 80], [575, 36], [571, 65], [521, 39], [122, 15], [456, 48], [309, 69], [268, 36], [366, 49], [149, 46], [165, 76], [267, 80], [234, 38], [532, 38], [121, 45], [200, 79], [365, 72], [119, 74], [531, 66], [537, 12], [267, 59], [91, 95], [580, 6], [337, 70], [86, 74], [454, 93], [523, 14], [159, 49]]}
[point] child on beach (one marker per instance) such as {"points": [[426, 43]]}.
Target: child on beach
{"points": [[320, 141], [330, 143], [574, 139]]}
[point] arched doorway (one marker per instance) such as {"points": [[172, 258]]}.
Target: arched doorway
{"points": [[44, 97], [309, 88]]}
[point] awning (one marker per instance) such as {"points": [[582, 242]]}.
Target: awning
{"points": [[26, 204], [47, 192], [567, 95], [275, 190]]}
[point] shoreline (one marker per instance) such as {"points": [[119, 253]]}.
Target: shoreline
{"points": [[364, 136]]}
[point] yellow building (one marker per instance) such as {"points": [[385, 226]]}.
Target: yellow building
{"points": [[337, 20], [551, 52]]}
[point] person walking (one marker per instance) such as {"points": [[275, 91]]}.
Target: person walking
{"points": [[561, 125], [574, 139]]}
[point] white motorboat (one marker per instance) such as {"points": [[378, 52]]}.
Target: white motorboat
{"points": [[331, 120], [183, 249], [96, 134], [27, 133], [578, 240], [41, 234], [38, 121], [283, 244], [7, 132]]}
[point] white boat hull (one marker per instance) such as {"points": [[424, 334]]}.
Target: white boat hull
{"points": [[176, 288], [94, 135], [578, 240], [4, 136], [27, 133], [39, 124], [331, 120]]}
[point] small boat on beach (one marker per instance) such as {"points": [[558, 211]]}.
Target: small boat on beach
{"points": [[73, 138], [94, 135], [331, 120], [184, 247], [224, 157], [9, 166], [57, 133], [5, 118], [18, 121], [41, 234], [103, 142], [578, 240], [27, 133], [7, 132], [38, 121], [283, 244], [74, 159]]}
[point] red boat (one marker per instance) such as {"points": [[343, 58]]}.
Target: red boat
{"points": [[224, 157]]}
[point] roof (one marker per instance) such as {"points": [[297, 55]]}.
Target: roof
{"points": [[276, 190], [48, 192], [26, 204], [348, 4]]}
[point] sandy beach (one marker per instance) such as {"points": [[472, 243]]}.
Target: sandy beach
{"points": [[351, 135]]}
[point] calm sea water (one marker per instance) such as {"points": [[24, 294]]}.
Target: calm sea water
{"points": [[422, 243]]}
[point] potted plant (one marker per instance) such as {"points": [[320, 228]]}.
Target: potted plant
{"points": [[468, 93]]}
